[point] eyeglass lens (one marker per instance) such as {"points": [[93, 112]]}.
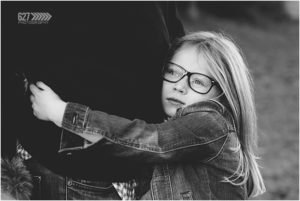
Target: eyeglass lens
{"points": [[198, 82]]}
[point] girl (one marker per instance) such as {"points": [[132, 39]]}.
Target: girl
{"points": [[205, 150]]}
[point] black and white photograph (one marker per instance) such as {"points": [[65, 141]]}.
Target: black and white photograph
{"points": [[149, 100]]}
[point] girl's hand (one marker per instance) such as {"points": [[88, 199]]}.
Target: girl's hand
{"points": [[46, 104]]}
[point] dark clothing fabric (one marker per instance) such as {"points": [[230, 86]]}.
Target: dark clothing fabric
{"points": [[50, 185], [192, 153], [104, 54]]}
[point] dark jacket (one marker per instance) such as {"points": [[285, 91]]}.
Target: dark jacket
{"points": [[192, 153], [97, 53]]}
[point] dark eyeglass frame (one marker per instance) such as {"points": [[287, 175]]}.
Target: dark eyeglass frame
{"points": [[189, 74]]}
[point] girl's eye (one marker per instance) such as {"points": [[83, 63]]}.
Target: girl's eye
{"points": [[198, 82], [170, 71], [173, 72]]}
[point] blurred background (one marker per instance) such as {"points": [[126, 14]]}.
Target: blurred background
{"points": [[268, 34]]}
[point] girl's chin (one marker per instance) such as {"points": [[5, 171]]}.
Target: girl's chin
{"points": [[170, 112]]}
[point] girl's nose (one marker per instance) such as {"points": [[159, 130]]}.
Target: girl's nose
{"points": [[181, 86]]}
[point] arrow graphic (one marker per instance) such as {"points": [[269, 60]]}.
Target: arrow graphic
{"points": [[36, 16]]}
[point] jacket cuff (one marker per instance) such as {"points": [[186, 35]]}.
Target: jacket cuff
{"points": [[70, 142], [74, 117]]}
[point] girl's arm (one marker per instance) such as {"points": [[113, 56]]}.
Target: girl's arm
{"points": [[48, 106], [198, 134]]}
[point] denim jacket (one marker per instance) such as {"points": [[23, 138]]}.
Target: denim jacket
{"points": [[191, 153]]}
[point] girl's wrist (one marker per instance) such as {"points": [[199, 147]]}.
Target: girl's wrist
{"points": [[61, 107]]}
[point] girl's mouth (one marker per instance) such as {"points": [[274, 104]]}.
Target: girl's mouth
{"points": [[175, 102]]}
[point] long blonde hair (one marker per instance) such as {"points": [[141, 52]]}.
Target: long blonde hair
{"points": [[228, 67]]}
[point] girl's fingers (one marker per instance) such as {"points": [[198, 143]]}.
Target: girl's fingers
{"points": [[42, 85], [34, 90], [32, 98]]}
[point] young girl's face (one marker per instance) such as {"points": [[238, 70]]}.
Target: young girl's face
{"points": [[191, 88]]}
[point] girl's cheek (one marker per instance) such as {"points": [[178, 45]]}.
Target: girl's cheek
{"points": [[165, 89]]}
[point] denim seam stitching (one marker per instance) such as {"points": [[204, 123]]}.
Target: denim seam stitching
{"points": [[67, 148], [61, 139], [66, 186], [137, 146], [219, 152], [90, 186], [153, 188], [84, 118], [169, 181], [208, 181], [131, 145], [219, 104], [225, 130]]}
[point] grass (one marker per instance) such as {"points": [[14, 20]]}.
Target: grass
{"points": [[272, 51]]}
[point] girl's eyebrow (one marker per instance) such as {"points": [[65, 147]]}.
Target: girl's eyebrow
{"points": [[186, 71]]}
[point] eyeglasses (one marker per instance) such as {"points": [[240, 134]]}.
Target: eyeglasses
{"points": [[198, 82]]}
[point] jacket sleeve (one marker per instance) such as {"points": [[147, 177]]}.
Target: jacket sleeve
{"points": [[198, 134]]}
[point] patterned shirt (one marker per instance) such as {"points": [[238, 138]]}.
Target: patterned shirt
{"points": [[126, 190]]}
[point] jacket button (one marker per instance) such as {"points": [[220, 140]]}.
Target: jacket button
{"points": [[74, 119]]}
